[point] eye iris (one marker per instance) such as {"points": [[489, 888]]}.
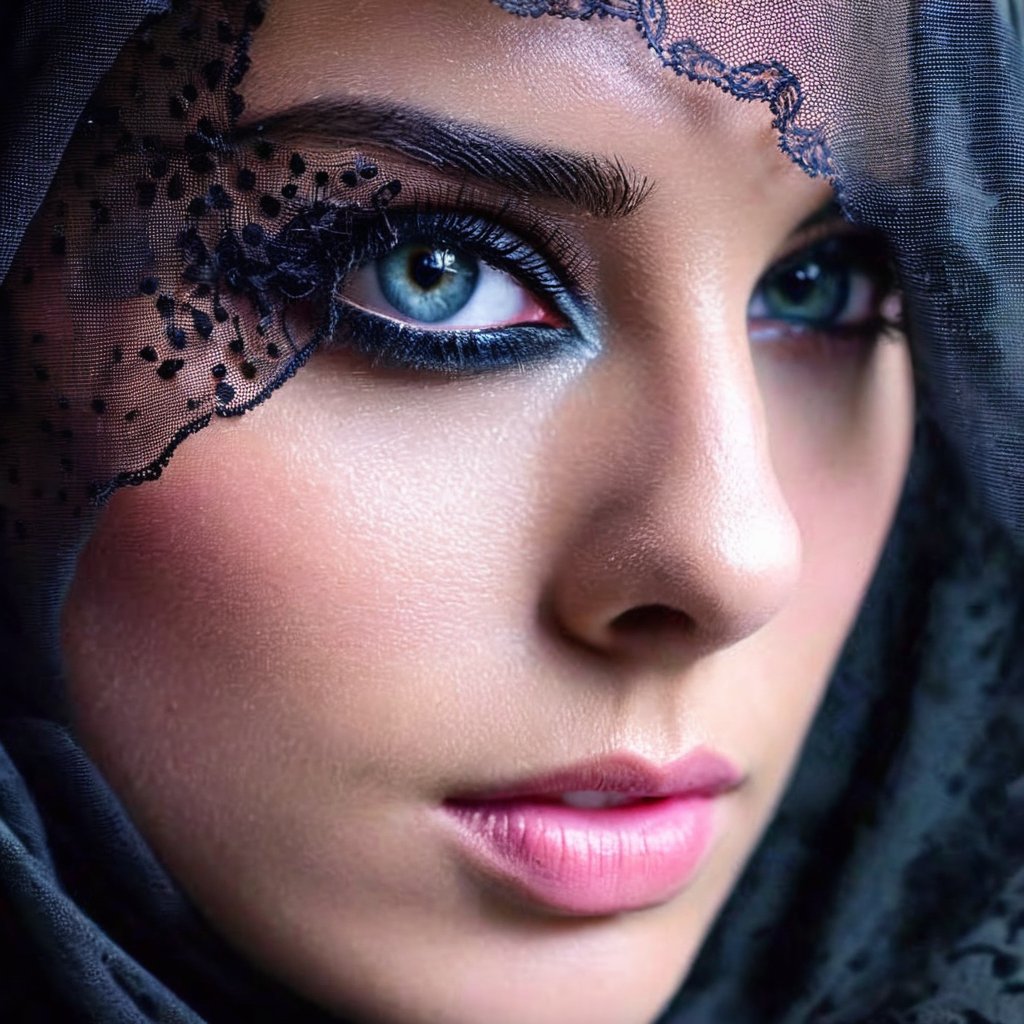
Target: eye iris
{"points": [[808, 292], [427, 282]]}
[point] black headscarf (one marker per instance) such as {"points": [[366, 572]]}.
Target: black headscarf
{"points": [[889, 887]]}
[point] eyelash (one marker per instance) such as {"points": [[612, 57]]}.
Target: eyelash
{"points": [[392, 344], [396, 345], [836, 245]]}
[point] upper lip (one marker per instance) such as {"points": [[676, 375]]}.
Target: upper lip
{"points": [[701, 772]]}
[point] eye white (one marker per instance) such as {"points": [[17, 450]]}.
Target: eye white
{"points": [[861, 302]]}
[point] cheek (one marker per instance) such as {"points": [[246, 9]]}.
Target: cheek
{"points": [[357, 568], [286, 647], [840, 437], [326, 611], [319, 601]]}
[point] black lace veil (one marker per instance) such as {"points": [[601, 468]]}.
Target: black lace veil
{"points": [[889, 889]]}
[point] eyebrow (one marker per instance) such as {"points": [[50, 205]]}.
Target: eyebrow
{"points": [[604, 187]]}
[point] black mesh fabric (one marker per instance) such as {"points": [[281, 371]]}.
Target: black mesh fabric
{"points": [[889, 888], [222, 255]]}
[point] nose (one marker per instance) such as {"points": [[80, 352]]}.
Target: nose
{"points": [[683, 542]]}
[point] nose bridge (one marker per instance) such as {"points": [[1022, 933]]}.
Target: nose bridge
{"points": [[717, 503]]}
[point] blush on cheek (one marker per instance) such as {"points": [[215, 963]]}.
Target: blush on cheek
{"points": [[175, 614], [243, 609]]}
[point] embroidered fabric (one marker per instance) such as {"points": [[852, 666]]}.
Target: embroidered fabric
{"points": [[889, 888]]}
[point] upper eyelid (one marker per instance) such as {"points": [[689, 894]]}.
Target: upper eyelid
{"points": [[810, 235], [434, 191]]}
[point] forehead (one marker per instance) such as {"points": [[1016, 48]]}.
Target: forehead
{"points": [[594, 87]]}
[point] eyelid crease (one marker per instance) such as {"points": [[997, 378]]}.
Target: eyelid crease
{"points": [[822, 228]]}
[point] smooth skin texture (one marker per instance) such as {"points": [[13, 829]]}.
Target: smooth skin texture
{"points": [[381, 588]]}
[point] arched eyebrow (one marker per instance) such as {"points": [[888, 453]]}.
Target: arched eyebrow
{"points": [[602, 186]]}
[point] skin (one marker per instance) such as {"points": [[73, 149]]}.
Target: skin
{"points": [[378, 588]]}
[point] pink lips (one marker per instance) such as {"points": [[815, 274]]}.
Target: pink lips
{"points": [[597, 860]]}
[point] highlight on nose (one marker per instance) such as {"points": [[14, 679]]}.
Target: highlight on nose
{"points": [[680, 585]]}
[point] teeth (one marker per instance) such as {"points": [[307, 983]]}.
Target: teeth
{"points": [[593, 799]]}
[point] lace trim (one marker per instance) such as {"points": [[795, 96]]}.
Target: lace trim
{"points": [[768, 82]]}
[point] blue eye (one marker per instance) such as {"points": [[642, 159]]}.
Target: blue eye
{"points": [[451, 292], [837, 287], [426, 282], [437, 285], [808, 292]]}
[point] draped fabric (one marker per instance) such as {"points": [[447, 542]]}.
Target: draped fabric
{"points": [[889, 887]]}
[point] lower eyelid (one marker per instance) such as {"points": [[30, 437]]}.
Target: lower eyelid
{"points": [[393, 345]]}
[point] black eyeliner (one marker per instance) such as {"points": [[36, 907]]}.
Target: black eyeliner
{"points": [[396, 344]]}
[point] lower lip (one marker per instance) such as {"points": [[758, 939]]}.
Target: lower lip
{"points": [[589, 862]]}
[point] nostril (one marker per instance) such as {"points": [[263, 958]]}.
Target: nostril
{"points": [[652, 620]]}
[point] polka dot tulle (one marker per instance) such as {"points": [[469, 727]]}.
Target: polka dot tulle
{"points": [[218, 258]]}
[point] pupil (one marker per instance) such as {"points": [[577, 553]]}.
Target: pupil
{"points": [[427, 267], [800, 283]]}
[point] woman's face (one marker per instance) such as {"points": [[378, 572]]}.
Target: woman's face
{"points": [[327, 657]]}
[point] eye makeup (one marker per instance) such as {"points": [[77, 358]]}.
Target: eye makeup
{"points": [[556, 319], [482, 278], [834, 292], [330, 239]]}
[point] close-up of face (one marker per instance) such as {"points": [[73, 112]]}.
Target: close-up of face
{"points": [[459, 681]]}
